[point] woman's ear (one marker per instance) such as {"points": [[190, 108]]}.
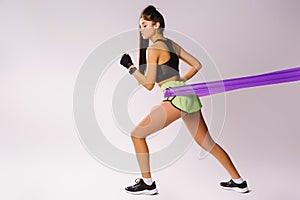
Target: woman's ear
{"points": [[156, 25]]}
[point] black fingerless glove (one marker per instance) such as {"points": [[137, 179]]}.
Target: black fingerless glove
{"points": [[126, 61]]}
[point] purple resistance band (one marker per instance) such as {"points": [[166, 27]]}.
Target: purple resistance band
{"points": [[215, 87]]}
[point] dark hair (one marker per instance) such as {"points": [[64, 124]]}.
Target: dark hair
{"points": [[150, 14]]}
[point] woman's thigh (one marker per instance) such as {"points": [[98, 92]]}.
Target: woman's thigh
{"points": [[159, 117], [198, 128]]}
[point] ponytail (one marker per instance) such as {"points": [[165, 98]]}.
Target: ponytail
{"points": [[151, 14]]}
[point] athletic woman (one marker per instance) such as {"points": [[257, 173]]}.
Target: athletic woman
{"points": [[159, 64]]}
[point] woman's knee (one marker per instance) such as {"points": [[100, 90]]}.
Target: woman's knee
{"points": [[135, 136], [206, 143]]}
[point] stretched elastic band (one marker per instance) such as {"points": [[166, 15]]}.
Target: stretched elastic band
{"points": [[215, 87]]}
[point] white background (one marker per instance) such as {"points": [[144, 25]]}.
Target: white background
{"points": [[42, 47]]}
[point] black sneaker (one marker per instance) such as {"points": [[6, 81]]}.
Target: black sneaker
{"points": [[231, 185], [141, 188]]}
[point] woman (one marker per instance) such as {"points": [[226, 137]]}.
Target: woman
{"points": [[161, 67]]}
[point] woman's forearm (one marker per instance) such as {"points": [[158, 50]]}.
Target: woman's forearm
{"points": [[142, 79], [190, 73]]}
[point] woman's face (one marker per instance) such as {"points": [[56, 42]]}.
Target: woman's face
{"points": [[147, 28]]}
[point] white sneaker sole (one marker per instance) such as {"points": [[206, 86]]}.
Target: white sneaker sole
{"points": [[236, 189], [148, 192]]}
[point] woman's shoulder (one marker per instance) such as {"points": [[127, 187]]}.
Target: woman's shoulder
{"points": [[158, 45], [175, 45], [161, 45]]}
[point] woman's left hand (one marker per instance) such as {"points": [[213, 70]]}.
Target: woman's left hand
{"points": [[182, 79]]}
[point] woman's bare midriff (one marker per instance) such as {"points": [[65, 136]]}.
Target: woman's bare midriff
{"points": [[173, 78]]}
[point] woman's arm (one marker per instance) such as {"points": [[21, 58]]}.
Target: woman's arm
{"points": [[194, 64], [148, 80]]}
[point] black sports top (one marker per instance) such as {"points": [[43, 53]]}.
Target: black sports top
{"points": [[169, 68]]}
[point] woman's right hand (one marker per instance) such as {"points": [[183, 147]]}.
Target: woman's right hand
{"points": [[126, 61]]}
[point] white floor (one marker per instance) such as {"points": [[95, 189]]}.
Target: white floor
{"points": [[57, 172]]}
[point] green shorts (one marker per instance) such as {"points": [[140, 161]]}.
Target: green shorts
{"points": [[187, 104]]}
